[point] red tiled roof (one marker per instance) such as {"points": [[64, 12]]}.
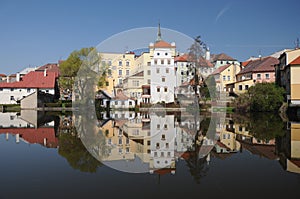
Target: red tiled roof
{"points": [[260, 65], [296, 61], [34, 136], [34, 79], [163, 44], [51, 68], [2, 75], [182, 58], [205, 63], [121, 96], [221, 57], [220, 69]]}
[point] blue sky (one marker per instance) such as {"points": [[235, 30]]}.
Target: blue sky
{"points": [[36, 32]]}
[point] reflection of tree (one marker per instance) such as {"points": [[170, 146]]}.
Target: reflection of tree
{"points": [[77, 155], [197, 167], [262, 126], [266, 126]]}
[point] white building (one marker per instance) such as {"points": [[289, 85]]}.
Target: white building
{"points": [[13, 92], [163, 79]]}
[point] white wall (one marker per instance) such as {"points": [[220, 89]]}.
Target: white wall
{"points": [[162, 55], [12, 120], [18, 94], [122, 103]]}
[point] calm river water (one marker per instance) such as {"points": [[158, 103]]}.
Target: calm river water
{"points": [[148, 155]]}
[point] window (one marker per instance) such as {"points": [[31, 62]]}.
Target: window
{"points": [[103, 63], [162, 154], [116, 102], [166, 54], [12, 98], [166, 89], [127, 63], [167, 145], [136, 83], [109, 62], [130, 103], [12, 89], [148, 72], [149, 81], [228, 78], [123, 103], [163, 79], [120, 81], [258, 76], [28, 90], [120, 72], [221, 62], [158, 54], [224, 77], [148, 142], [167, 70], [240, 87], [120, 63], [162, 62], [169, 62], [120, 150], [246, 87], [169, 154], [120, 140], [1, 89], [109, 71], [47, 91], [267, 76], [127, 150], [157, 70], [163, 136], [148, 63], [155, 62], [155, 154], [158, 126], [127, 72], [158, 89], [157, 145], [109, 141], [107, 83]]}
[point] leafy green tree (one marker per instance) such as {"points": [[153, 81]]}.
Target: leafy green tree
{"points": [[73, 150], [263, 97], [87, 62], [266, 97]]}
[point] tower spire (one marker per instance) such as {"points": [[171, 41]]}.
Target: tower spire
{"points": [[158, 33]]}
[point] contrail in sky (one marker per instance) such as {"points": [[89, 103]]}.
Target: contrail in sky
{"points": [[221, 13]]}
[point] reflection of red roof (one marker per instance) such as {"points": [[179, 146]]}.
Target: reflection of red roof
{"points": [[35, 136], [296, 61], [33, 79], [222, 145], [163, 44], [296, 162], [164, 171], [2, 75], [267, 151]]}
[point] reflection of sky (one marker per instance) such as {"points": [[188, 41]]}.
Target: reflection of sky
{"points": [[141, 38]]}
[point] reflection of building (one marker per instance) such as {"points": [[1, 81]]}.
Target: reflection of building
{"points": [[162, 142], [35, 129], [288, 148]]}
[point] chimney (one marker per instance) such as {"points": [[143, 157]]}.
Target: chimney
{"points": [[207, 54], [18, 77], [7, 79], [45, 72]]}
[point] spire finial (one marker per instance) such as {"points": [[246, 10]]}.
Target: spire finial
{"points": [[158, 33]]}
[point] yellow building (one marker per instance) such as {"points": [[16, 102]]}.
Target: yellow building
{"points": [[225, 75], [120, 66]]}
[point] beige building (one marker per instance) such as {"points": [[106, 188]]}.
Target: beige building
{"points": [[225, 75], [120, 66], [287, 75]]}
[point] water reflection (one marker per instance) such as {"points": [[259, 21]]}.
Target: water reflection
{"points": [[155, 142]]}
